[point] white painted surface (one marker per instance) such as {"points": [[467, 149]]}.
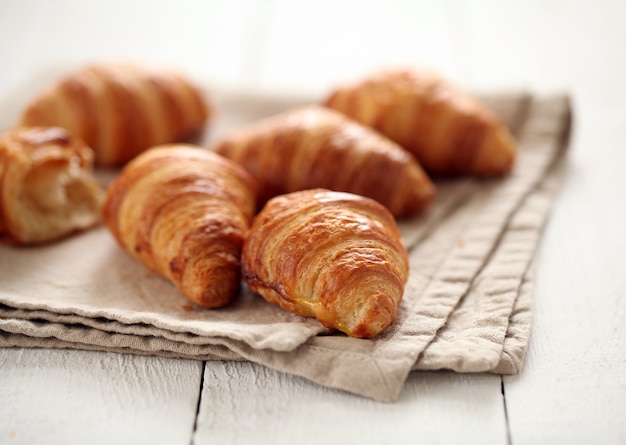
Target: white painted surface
{"points": [[573, 388], [76, 397], [246, 403]]}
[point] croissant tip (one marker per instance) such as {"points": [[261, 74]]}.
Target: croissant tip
{"points": [[496, 155], [219, 293], [376, 314]]}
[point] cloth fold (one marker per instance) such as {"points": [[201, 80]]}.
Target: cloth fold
{"points": [[467, 306]]}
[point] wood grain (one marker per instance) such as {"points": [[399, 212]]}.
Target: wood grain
{"points": [[75, 397], [573, 386], [260, 405]]}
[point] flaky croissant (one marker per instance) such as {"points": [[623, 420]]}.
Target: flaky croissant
{"points": [[313, 146], [334, 256], [121, 109], [183, 213], [446, 129], [47, 189]]}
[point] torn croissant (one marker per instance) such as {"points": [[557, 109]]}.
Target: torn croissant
{"points": [[121, 109], [311, 147], [183, 213], [47, 189], [334, 256], [446, 129]]}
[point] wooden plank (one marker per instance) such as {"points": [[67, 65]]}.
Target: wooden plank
{"points": [[246, 403], [76, 397], [573, 389]]}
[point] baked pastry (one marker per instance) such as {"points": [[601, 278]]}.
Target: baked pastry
{"points": [[121, 109], [446, 129], [334, 256], [47, 189], [313, 146], [183, 213]]}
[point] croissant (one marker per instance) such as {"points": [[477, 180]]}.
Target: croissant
{"points": [[312, 146], [334, 256], [121, 109], [47, 189], [447, 130], [183, 213]]}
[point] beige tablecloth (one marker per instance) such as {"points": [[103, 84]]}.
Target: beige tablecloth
{"points": [[467, 305]]}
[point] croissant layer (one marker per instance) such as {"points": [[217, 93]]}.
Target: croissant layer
{"points": [[47, 187], [446, 129], [334, 256], [313, 146], [121, 109], [183, 212]]}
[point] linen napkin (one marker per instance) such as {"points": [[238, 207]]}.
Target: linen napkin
{"points": [[467, 305]]}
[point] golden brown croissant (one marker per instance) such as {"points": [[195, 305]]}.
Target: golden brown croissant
{"points": [[121, 109], [447, 130], [313, 147], [334, 256], [47, 189], [183, 213]]}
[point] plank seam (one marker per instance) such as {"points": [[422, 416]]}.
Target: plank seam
{"points": [[509, 440], [197, 415]]}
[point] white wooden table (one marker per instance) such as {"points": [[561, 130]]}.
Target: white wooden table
{"points": [[573, 386]]}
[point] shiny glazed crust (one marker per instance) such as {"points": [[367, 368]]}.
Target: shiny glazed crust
{"points": [[121, 109], [47, 190], [334, 256], [183, 213], [446, 129], [313, 146]]}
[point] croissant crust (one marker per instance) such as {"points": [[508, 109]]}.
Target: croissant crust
{"points": [[313, 146], [121, 109], [446, 129], [334, 256], [183, 212]]}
